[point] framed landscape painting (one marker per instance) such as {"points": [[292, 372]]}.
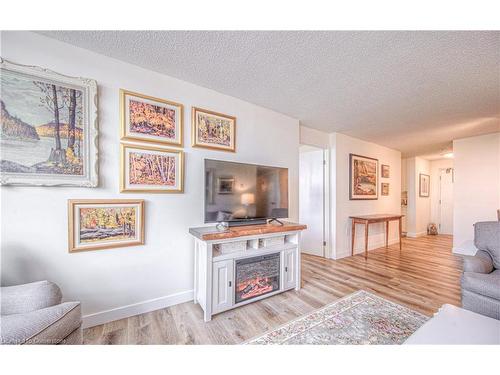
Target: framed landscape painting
{"points": [[424, 185], [148, 119], [48, 128], [363, 177], [151, 169], [213, 130], [95, 224]]}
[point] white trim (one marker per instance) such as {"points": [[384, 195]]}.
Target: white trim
{"points": [[122, 312], [415, 234], [461, 251]]}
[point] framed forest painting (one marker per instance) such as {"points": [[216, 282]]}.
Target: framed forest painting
{"points": [[102, 224], [213, 130], [48, 128], [148, 119], [151, 169], [363, 177]]}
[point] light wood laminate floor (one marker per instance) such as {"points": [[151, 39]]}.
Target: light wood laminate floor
{"points": [[423, 276]]}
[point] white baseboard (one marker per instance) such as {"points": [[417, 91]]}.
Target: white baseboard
{"points": [[462, 251], [415, 234], [107, 316]]}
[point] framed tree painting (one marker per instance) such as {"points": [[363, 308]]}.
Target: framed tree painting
{"points": [[385, 171], [48, 128], [363, 177], [151, 169], [213, 130], [424, 185], [384, 189], [95, 224], [148, 119]]}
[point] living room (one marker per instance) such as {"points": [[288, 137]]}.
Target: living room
{"points": [[250, 187]]}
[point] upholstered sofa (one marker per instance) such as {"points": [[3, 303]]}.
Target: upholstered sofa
{"points": [[33, 314], [481, 277]]}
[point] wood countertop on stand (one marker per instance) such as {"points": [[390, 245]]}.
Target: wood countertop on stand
{"points": [[212, 233]]}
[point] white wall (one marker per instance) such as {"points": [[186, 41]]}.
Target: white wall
{"points": [[477, 187], [342, 146], [419, 208], [313, 137], [435, 169], [34, 219]]}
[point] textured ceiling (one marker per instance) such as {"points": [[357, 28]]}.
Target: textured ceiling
{"points": [[412, 91]]}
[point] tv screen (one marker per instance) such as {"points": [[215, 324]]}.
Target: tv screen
{"points": [[240, 192]]}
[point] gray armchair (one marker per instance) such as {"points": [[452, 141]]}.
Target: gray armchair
{"points": [[481, 277], [33, 314]]}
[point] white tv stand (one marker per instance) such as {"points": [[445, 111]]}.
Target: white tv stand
{"points": [[214, 271]]}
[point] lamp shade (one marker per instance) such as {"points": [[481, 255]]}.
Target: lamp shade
{"points": [[247, 198]]}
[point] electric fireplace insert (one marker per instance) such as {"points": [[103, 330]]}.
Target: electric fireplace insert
{"points": [[257, 276]]}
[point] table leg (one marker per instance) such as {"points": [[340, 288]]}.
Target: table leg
{"points": [[400, 232], [366, 240], [353, 235], [387, 234]]}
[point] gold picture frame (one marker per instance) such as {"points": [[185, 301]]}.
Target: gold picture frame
{"points": [[211, 142], [145, 153], [127, 134], [98, 224]]}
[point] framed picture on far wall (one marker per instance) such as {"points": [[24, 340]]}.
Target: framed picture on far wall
{"points": [[225, 185], [363, 177], [48, 128], [213, 130], [95, 224], [151, 169], [384, 189], [385, 171], [148, 119], [424, 185]]}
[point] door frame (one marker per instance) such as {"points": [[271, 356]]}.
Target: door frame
{"points": [[327, 249]]}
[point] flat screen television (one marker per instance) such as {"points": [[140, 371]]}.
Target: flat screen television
{"points": [[242, 194]]}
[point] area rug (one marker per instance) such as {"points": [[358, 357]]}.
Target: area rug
{"points": [[359, 318]]}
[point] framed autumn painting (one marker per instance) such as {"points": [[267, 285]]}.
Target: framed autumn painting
{"points": [[48, 127], [95, 224], [213, 130], [151, 169], [363, 181], [148, 119]]}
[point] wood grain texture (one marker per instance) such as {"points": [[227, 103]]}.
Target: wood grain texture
{"points": [[211, 233], [423, 276]]}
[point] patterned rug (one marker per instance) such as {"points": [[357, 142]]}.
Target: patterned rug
{"points": [[359, 318]]}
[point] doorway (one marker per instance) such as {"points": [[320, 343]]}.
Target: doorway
{"points": [[446, 201], [312, 199]]}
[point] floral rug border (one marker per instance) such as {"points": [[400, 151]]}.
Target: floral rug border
{"points": [[287, 331]]}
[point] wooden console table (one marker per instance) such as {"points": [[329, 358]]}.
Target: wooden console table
{"points": [[371, 219], [215, 272]]}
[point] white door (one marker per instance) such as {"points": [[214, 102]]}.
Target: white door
{"points": [[222, 286], [289, 265], [311, 199], [446, 201]]}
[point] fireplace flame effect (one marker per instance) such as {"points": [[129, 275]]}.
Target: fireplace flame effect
{"points": [[254, 287]]}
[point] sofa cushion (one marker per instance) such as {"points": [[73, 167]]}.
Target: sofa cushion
{"points": [[480, 263], [24, 298], [487, 238], [46, 326], [485, 284]]}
